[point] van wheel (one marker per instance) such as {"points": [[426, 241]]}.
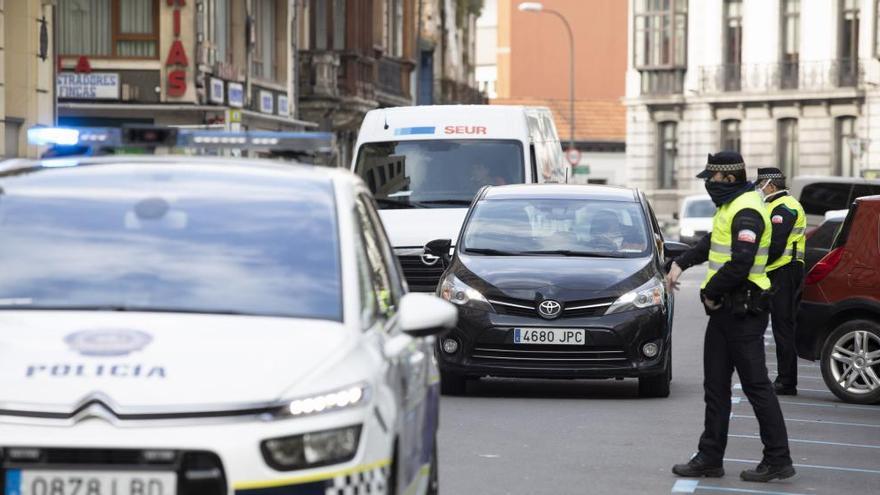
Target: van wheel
{"points": [[850, 362], [657, 385], [452, 384]]}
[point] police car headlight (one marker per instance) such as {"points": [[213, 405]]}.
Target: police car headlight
{"points": [[310, 450], [459, 293], [650, 294], [344, 398]]}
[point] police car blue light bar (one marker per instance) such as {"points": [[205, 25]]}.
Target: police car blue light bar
{"points": [[157, 136]]}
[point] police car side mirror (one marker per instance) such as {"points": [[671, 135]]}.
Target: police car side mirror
{"points": [[439, 248], [672, 249], [423, 315]]}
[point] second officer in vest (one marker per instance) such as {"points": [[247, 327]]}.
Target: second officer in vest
{"points": [[735, 296], [785, 267]]}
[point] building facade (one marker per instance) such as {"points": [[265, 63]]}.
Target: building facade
{"points": [[788, 83], [533, 68], [227, 64], [27, 67]]}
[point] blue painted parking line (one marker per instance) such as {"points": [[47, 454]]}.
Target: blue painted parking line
{"points": [[814, 421], [691, 486], [813, 466], [817, 442]]}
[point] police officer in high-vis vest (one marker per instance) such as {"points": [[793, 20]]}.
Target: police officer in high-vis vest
{"points": [[736, 298], [785, 267]]}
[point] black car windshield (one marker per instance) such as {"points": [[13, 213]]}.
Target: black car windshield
{"points": [[437, 173], [564, 227], [700, 208], [171, 237]]}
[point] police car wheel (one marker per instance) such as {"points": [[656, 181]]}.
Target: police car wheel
{"points": [[850, 362], [452, 384], [657, 385]]}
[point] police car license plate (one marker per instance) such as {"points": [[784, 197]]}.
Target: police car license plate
{"points": [[75, 482], [549, 336]]}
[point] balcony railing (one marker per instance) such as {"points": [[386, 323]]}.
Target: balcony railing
{"points": [[662, 82], [802, 76], [452, 91], [335, 74], [394, 77]]}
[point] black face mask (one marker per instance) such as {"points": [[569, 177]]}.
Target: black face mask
{"points": [[725, 192]]}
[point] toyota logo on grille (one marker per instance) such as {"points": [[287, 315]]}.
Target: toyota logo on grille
{"points": [[549, 309]]}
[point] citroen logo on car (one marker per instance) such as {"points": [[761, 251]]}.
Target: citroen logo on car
{"points": [[549, 309]]}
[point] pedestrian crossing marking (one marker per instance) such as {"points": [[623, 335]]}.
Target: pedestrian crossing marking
{"points": [[685, 486]]}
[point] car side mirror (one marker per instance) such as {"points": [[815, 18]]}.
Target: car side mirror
{"points": [[675, 215], [439, 248], [674, 249], [423, 315]]}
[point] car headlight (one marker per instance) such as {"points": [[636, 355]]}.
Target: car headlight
{"points": [[344, 398], [309, 450], [652, 293], [459, 293], [686, 232]]}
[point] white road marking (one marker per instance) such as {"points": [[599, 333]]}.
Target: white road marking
{"points": [[813, 466], [685, 486], [807, 404], [817, 442], [742, 490], [816, 421]]}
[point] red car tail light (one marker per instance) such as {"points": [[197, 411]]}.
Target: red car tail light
{"points": [[825, 266]]}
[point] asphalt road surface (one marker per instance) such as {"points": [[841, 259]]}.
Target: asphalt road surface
{"points": [[598, 437]]}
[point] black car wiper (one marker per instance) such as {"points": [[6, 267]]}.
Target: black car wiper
{"points": [[397, 204], [490, 252], [462, 202], [570, 252]]}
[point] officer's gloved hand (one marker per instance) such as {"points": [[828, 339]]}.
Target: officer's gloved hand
{"points": [[710, 304]]}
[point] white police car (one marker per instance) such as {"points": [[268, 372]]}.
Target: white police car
{"points": [[177, 326]]}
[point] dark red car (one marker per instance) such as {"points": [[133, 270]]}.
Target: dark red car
{"points": [[839, 318]]}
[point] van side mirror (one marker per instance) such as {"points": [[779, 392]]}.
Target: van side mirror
{"points": [[675, 215], [439, 248], [672, 249]]}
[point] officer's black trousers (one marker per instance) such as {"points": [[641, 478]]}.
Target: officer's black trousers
{"points": [[737, 342], [788, 283]]}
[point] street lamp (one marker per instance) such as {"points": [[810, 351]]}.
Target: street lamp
{"points": [[539, 7]]}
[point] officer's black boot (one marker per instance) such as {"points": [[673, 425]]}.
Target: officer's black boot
{"points": [[784, 389], [766, 472], [698, 468]]}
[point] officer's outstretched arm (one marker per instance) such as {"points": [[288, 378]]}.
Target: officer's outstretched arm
{"points": [[695, 255], [747, 229]]}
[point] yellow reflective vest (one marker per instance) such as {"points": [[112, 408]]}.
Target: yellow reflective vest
{"points": [[722, 237], [797, 239]]}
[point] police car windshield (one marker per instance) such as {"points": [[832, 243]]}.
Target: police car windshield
{"points": [[172, 237], [562, 227], [700, 208], [437, 173]]}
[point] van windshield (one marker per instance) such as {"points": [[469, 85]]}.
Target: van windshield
{"points": [[700, 208], [437, 173]]}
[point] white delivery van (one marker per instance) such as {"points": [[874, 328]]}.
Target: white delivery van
{"points": [[424, 165]]}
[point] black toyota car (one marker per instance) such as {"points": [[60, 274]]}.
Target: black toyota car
{"points": [[558, 281]]}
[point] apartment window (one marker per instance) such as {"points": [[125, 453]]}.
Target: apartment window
{"points": [[329, 19], [108, 28], [790, 42], [848, 43], [730, 136], [264, 48], [787, 146], [844, 137], [732, 44], [338, 24], [660, 44], [394, 28], [217, 17], [667, 144]]}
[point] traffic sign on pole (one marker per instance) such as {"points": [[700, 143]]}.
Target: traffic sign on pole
{"points": [[573, 155]]}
